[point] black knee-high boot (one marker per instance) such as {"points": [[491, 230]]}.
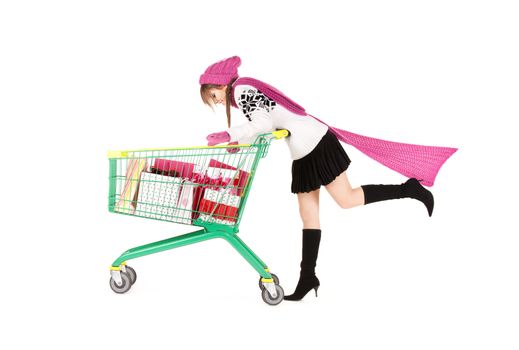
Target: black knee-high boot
{"points": [[307, 278], [409, 189]]}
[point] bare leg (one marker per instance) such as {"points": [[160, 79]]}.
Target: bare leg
{"points": [[345, 196], [309, 209]]}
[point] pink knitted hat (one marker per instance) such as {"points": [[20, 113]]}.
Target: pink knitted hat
{"points": [[221, 72]]}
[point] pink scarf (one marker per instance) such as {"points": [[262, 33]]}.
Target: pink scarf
{"points": [[420, 162]]}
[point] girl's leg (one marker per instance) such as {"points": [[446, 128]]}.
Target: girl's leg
{"points": [[309, 209], [341, 191], [347, 197]]}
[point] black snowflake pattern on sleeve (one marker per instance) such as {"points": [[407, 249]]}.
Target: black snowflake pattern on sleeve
{"points": [[251, 100]]}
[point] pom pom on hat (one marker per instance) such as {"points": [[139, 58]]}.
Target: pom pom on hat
{"points": [[221, 72]]}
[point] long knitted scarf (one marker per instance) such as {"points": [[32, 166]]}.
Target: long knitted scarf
{"points": [[410, 160]]}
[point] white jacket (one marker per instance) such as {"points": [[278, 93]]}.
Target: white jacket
{"points": [[265, 115]]}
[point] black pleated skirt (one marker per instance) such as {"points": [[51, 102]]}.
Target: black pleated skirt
{"points": [[321, 166]]}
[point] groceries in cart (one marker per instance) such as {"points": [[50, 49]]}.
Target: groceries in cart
{"points": [[182, 192]]}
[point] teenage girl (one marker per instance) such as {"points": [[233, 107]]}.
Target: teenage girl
{"points": [[318, 157]]}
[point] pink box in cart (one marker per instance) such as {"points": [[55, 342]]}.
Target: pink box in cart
{"points": [[174, 168]]}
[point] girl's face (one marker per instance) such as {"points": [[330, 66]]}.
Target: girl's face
{"points": [[218, 95]]}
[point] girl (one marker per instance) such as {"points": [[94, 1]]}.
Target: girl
{"points": [[318, 157]]}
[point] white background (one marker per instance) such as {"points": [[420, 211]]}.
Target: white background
{"points": [[78, 78]]}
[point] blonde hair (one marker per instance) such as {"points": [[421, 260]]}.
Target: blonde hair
{"points": [[208, 100]]}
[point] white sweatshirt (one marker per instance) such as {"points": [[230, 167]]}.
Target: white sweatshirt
{"points": [[265, 115]]}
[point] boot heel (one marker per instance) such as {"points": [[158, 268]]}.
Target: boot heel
{"points": [[316, 288]]}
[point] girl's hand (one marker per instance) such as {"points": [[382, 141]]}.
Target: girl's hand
{"points": [[218, 137]]}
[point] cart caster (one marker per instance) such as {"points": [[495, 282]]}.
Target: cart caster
{"points": [[274, 277], [124, 286], [265, 294], [131, 273]]}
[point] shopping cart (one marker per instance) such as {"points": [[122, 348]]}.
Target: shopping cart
{"points": [[206, 187]]}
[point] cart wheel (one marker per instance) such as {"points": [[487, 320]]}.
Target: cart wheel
{"points": [[273, 301], [124, 287], [132, 274], [274, 277]]}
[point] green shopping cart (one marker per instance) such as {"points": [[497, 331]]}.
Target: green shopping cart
{"points": [[206, 187]]}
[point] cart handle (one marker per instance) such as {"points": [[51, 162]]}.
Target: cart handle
{"points": [[278, 134]]}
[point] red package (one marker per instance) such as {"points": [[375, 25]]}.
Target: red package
{"points": [[239, 181], [222, 211], [205, 182]]}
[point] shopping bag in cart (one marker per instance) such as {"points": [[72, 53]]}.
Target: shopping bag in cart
{"points": [[220, 206], [158, 196], [127, 199], [184, 210], [212, 178]]}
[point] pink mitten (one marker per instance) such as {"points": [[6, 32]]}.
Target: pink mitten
{"points": [[233, 149], [218, 137]]}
